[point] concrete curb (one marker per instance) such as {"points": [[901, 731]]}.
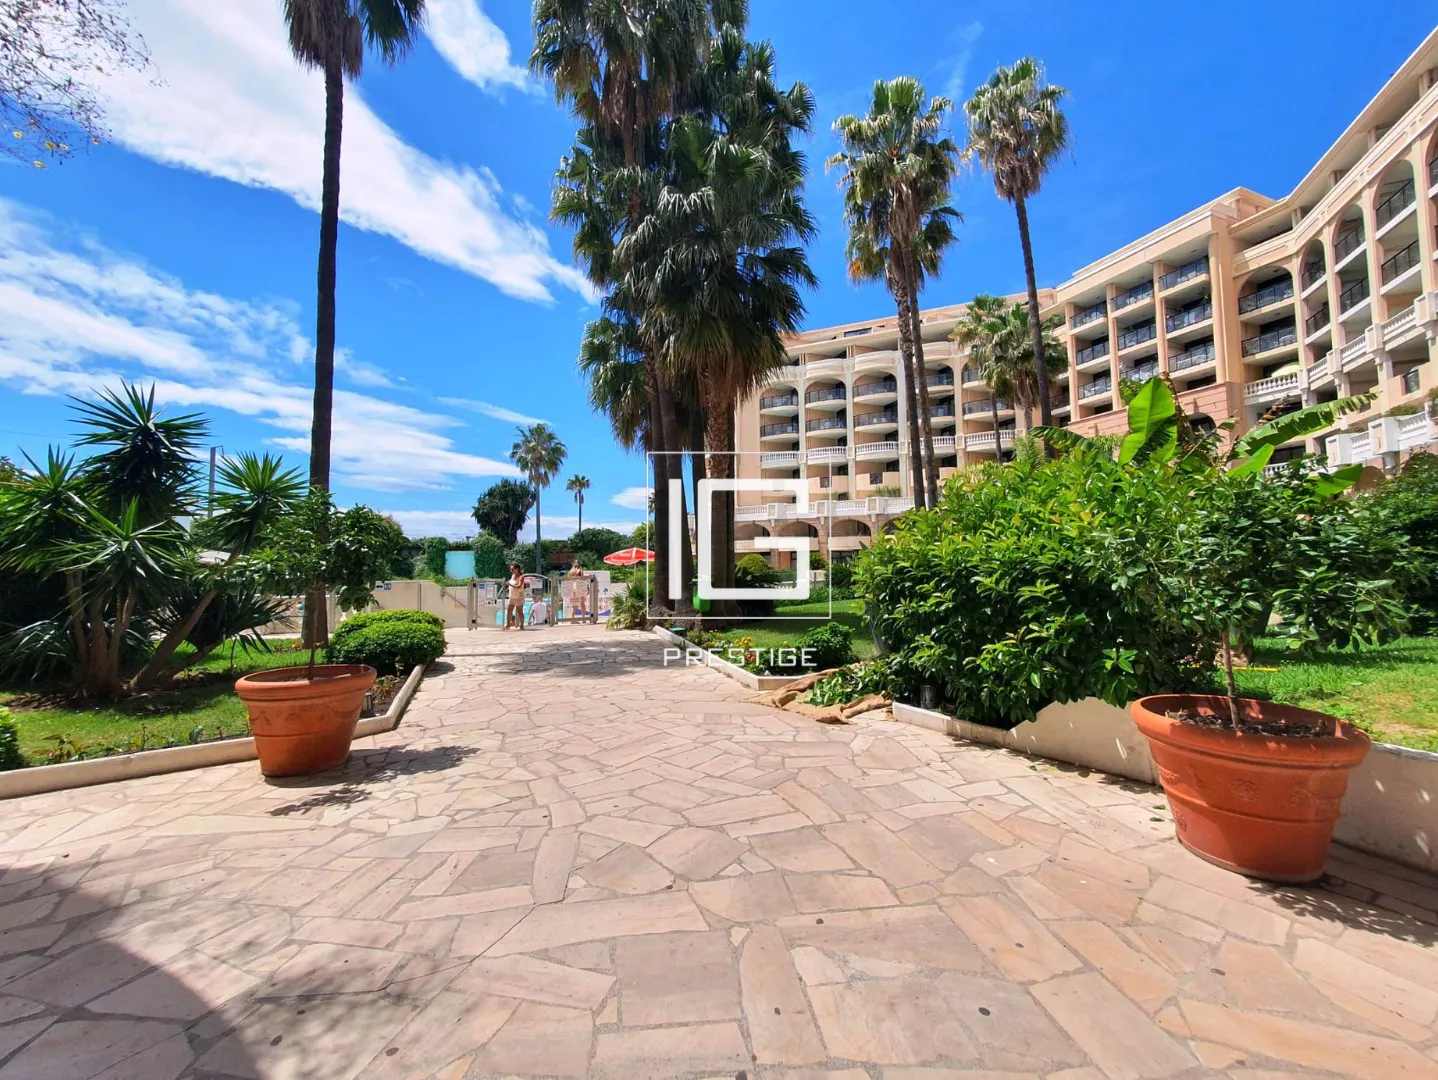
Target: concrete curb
{"points": [[38, 779], [757, 683]]}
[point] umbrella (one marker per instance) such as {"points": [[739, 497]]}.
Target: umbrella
{"points": [[629, 557]]}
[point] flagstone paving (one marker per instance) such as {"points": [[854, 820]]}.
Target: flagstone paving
{"points": [[570, 861]]}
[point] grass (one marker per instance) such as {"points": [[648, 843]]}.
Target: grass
{"points": [[1390, 691], [772, 633], [204, 698]]}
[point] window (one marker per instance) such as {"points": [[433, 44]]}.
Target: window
{"points": [[1411, 380]]}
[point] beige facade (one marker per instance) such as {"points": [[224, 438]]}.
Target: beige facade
{"points": [[1248, 304]]}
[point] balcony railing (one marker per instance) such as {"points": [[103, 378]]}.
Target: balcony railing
{"points": [[1187, 272], [1089, 315], [972, 408], [872, 419], [1411, 380], [883, 386], [1093, 352], [1353, 295], [1433, 171], [779, 429], [1189, 316], [779, 460], [1278, 386], [1142, 372], [1060, 402], [1400, 263], [1269, 294], [1192, 357], [1135, 295], [1094, 389], [826, 423], [944, 378], [1347, 244], [1137, 335], [946, 409], [835, 393], [1313, 273], [1317, 321], [778, 401], [972, 375], [1394, 203], [1276, 338]]}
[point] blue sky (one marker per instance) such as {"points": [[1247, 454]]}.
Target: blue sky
{"points": [[183, 250]]}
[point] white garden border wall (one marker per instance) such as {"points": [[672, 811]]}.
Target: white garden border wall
{"points": [[1391, 808], [38, 779]]}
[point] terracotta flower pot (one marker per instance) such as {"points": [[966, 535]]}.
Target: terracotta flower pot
{"points": [[304, 725], [1260, 805]]}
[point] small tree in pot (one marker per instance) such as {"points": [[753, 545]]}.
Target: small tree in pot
{"points": [[303, 718], [1254, 787]]}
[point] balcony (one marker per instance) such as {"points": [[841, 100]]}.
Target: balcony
{"points": [[1399, 264], [774, 431], [1193, 357], [1269, 294], [1097, 351], [1136, 295], [1277, 338], [1353, 353], [940, 411], [1398, 326], [1089, 315], [1190, 316], [1433, 171], [1190, 271], [826, 423], [1060, 404], [826, 455], [1142, 372], [1137, 335], [813, 397], [1394, 203], [945, 444], [784, 459], [778, 402], [888, 450], [1346, 245], [944, 378], [878, 419], [882, 388], [1352, 295], [1313, 273], [971, 376], [983, 408], [1274, 389], [984, 440], [1319, 370], [1096, 388], [1317, 321]]}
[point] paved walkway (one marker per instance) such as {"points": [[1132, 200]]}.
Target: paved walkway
{"points": [[572, 862]]}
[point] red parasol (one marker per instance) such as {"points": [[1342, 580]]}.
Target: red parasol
{"points": [[629, 557]]}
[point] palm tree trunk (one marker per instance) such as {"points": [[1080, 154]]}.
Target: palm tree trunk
{"points": [[321, 424], [149, 676], [717, 467], [1046, 416], [669, 418], [538, 539], [906, 368], [660, 461], [994, 409], [926, 418], [581, 512]]}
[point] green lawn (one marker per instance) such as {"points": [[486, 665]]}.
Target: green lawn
{"points": [[204, 698], [772, 633], [1390, 691]]}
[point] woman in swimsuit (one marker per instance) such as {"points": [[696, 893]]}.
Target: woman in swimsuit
{"points": [[578, 591], [515, 616]]}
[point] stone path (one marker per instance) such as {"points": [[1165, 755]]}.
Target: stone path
{"points": [[572, 862]]}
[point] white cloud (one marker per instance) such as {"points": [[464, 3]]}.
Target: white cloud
{"points": [[75, 317], [230, 101], [497, 412], [965, 37], [635, 498], [473, 45]]}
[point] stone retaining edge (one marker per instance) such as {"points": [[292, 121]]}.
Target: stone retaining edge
{"points": [[757, 683], [39, 779]]}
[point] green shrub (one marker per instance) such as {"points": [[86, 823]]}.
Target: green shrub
{"points": [[489, 557], [627, 612], [830, 645], [10, 756], [754, 572], [1406, 507], [391, 642], [817, 560], [841, 574], [435, 550]]}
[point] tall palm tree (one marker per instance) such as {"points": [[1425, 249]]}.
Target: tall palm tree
{"points": [[1017, 131], [577, 486], [996, 334], [333, 36], [539, 455], [897, 172], [979, 330]]}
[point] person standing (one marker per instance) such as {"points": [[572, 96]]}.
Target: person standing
{"points": [[514, 619]]}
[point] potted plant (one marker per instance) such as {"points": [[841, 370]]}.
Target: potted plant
{"points": [[1254, 787], [303, 718]]}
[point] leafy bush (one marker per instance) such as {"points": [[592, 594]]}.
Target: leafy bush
{"points": [[817, 560], [391, 642], [627, 612], [841, 574], [1407, 507], [830, 645], [435, 550], [754, 572], [489, 557], [10, 756]]}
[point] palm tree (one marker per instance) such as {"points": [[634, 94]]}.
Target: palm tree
{"points": [[979, 330], [898, 170], [539, 455], [1017, 131], [996, 334], [578, 485], [333, 36]]}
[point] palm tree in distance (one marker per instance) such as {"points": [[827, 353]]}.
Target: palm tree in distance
{"points": [[1017, 131], [897, 172], [333, 36], [978, 330], [539, 455], [577, 486], [996, 334]]}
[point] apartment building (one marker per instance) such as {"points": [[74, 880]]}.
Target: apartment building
{"points": [[1248, 303]]}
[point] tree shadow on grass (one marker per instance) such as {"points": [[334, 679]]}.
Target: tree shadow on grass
{"points": [[351, 783]]}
